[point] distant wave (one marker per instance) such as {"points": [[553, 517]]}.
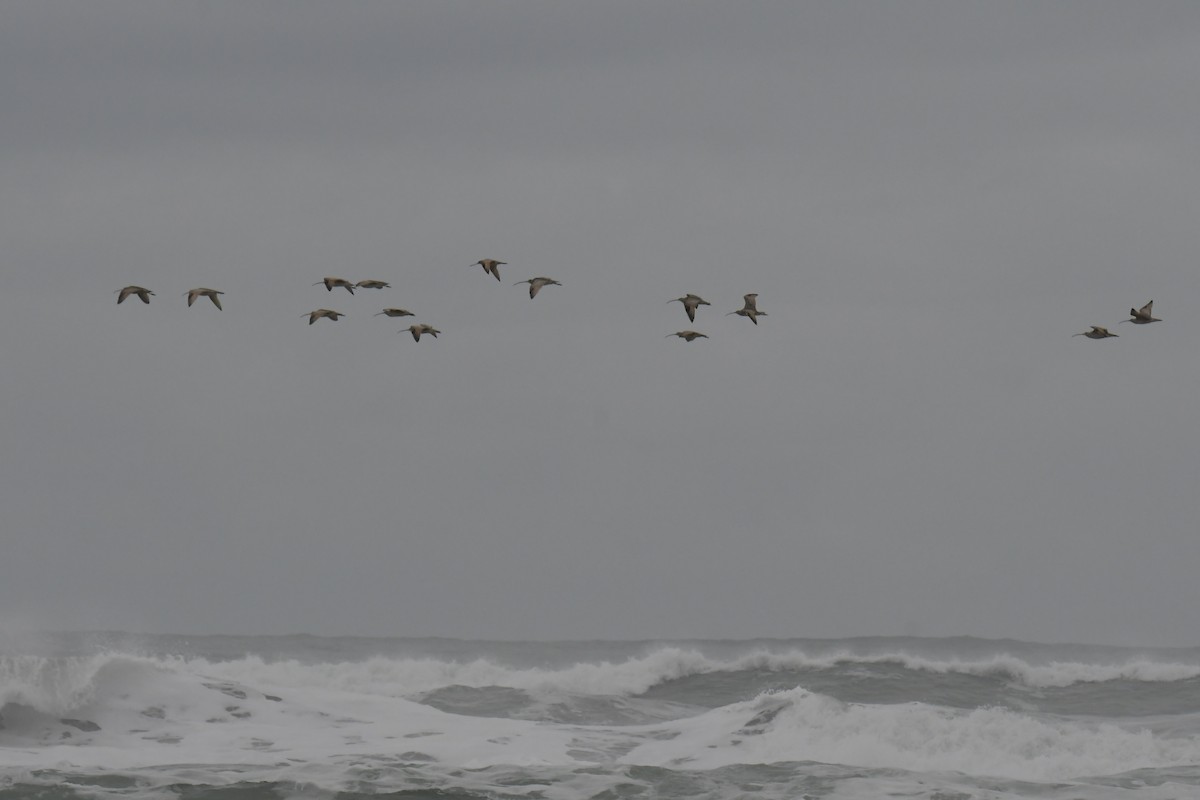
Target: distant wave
{"points": [[1054, 674], [56, 685], [638, 675]]}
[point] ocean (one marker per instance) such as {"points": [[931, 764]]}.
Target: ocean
{"points": [[112, 715]]}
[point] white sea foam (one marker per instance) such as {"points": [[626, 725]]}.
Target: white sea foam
{"points": [[321, 723], [801, 726], [128, 716]]}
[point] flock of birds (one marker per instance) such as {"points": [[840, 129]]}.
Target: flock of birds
{"points": [[1138, 316], [691, 302]]}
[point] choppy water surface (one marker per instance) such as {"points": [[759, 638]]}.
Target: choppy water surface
{"points": [[243, 718]]}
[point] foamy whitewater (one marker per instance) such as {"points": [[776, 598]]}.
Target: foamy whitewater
{"points": [[240, 718]]}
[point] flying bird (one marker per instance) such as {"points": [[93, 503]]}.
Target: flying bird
{"points": [[1143, 315], [750, 309], [138, 290], [417, 330], [372, 285], [1097, 332], [687, 336], [395, 312], [491, 266], [332, 282], [536, 284], [690, 303], [211, 294], [313, 316]]}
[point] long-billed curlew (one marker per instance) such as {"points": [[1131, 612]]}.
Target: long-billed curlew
{"points": [[395, 312], [417, 330], [211, 294], [687, 336], [690, 303], [138, 290], [332, 282], [1097, 332], [536, 284], [313, 316], [491, 266], [1142, 316], [750, 309], [372, 285]]}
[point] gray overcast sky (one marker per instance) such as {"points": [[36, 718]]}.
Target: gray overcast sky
{"points": [[929, 198]]}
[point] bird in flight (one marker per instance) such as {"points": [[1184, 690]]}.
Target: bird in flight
{"points": [[1143, 315], [536, 284], [211, 294], [491, 266], [690, 303], [313, 316], [417, 330], [1097, 332], [332, 282], [138, 290], [750, 309]]}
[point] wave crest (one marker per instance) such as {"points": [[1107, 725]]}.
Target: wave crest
{"points": [[798, 725], [58, 685], [401, 676], [62, 685]]}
